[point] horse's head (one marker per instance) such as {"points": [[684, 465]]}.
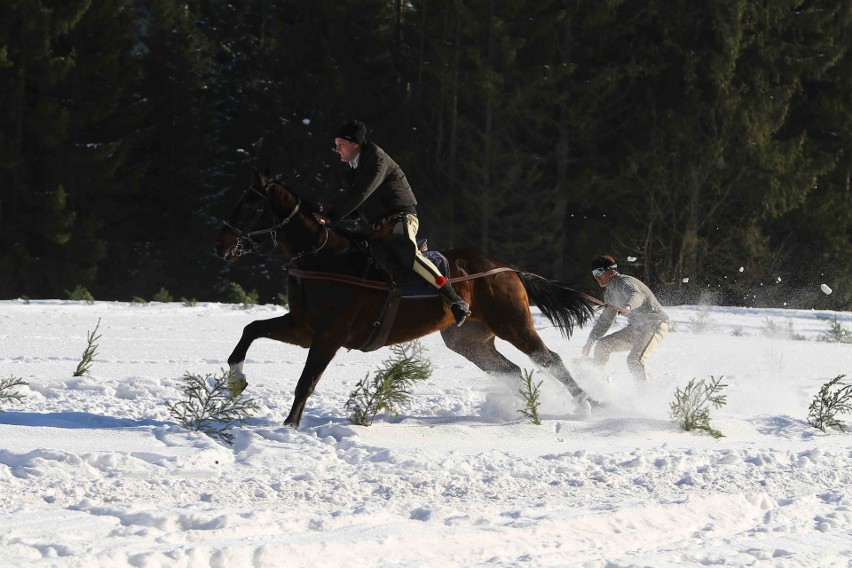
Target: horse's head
{"points": [[264, 208]]}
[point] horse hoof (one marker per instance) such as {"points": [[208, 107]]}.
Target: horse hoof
{"points": [[585, 404], [237, 386]]}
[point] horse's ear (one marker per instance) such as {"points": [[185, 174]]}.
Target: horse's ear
{"points": [[259, 180]]}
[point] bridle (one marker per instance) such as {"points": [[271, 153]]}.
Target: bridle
{"points": [[246, 243]]}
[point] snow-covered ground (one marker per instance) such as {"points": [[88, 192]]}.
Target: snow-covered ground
{"points": [[94, 471]]}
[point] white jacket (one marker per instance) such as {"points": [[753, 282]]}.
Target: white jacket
{"points": [[627, 291]]}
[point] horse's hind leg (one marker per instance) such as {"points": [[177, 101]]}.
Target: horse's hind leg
{"points": [[554, 365], [526, 339], [282, 329], [475, 343]]}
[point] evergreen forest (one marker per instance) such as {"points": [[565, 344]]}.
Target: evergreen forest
{"points": [[704, 144]]}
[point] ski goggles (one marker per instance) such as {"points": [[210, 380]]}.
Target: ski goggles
{"points": [[598, 271]]}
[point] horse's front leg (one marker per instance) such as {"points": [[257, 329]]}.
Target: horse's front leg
{"points": [[282, 329], [329, 336], [320, 355]]}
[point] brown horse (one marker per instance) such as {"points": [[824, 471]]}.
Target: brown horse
{"points": [[327, 314]]}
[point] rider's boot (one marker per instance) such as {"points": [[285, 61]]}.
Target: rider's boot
{"points": [[457, 305]]}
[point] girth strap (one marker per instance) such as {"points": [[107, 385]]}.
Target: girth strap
{"points": [[381, 328]]}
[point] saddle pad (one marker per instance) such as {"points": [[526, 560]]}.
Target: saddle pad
{"points": [[414, 287]]}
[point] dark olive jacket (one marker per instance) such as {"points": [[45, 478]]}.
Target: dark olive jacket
{"points": [[377, 188]]}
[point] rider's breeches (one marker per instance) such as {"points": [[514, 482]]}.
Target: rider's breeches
{"points": [[422, 265], [641, 341]]}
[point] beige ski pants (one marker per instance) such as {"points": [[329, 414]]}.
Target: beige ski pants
{"points": [[640, 341]]}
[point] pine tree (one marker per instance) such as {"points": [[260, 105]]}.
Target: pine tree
{"points": [[435, 78], [473, 112], [170, 246], [815, 239], [104, 128], [36, 222], [709, 153], [573, 90]]}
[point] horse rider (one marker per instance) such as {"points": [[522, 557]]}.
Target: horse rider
{"points": [[647, 323], [378, 192]]}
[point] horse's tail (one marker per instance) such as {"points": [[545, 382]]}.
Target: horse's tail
{"points": [[563, 306]]}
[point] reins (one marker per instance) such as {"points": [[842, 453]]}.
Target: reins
{"points": [[480, 274], [379, 285], [334, 277], [244, 237], [602, 305]]}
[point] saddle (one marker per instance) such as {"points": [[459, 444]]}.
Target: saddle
{"points": [[370, 267]]}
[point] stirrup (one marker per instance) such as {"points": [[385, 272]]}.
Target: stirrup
{"points": [[460, 312]]}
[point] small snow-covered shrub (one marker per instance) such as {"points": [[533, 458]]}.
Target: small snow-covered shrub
{"points": [[773, 329], [689, 408], [388, 390], [532, 398], [208, 406], [80, 294], [163, 296], [835, 333], [240, 296], [828, 403], [6, 394], [89, 352], [703, 322]]}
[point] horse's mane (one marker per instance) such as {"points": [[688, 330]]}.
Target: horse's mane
{"points": [[310, 204]]}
